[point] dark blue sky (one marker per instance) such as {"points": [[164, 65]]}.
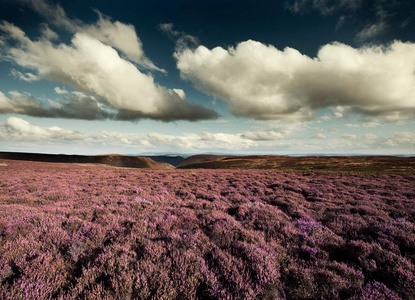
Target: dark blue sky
{"points": [[308, 100]]}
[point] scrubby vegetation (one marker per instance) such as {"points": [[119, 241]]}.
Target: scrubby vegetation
{"points": [[71, 231]]}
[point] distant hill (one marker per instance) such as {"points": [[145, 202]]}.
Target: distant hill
{"points": [[348, 164], [173, 160], [321, 164], [197, 161], [115, 160]]}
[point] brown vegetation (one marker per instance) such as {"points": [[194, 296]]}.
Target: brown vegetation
{"points": [[330, 164], [115, 160]]}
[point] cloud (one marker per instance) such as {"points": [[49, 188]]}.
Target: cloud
{"points": [[202, 142], [374, 28], [370, 136], [95, 68], [115, 34], [78, 105], [319, 136], [324, 7], [60, 91], [54, 13], [17, 133], [48, 33], [119, 138], [207, 136], [402, 139], [29, 77], [262, 135], [74, 105], [375, 16], [122, 37], [338, 112], [18, 128], [182, 39], [349, 136], [371, 124], [262, 82], [371, 30]]}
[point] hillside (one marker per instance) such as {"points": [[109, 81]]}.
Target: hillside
{"points": [[199, 160], [343, 164], [173, 160], [115, 160]]}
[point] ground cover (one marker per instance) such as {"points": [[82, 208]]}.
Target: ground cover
{"points": [[72, 231]]}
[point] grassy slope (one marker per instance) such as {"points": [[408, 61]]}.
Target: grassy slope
{"points": [[321, 164]]}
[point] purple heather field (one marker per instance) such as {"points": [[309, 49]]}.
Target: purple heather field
{"points": [[72, 231]]}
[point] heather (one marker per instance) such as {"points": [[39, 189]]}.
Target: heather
{"points": [[71, 231]]}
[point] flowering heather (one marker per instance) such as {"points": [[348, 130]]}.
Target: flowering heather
{"points": [[70, 231]]}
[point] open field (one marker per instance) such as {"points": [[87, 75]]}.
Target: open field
{"points": [[77, 231], [322, 164]]}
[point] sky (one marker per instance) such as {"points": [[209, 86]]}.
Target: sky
{"points": [[290, 77]]}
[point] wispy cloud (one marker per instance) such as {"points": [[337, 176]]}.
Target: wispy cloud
{"points": [[29, 77], [373, 17], [377, 26], [262, 135], [371, 30], [262, 82], [325, 7], [181, 38]]}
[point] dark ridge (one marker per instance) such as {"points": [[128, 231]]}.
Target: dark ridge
{"points": [[173, 160], [114, 160], [196, 160]]}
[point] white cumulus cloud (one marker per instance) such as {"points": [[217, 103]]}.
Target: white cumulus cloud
{"points": [[263, 82], [113, 33], [92, 64], [21, 129]]}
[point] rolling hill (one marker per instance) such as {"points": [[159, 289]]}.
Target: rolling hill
{"points": [[115, 160], [359, 164]]}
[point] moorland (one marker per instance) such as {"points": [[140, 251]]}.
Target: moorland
{"points": [[213, 227]]}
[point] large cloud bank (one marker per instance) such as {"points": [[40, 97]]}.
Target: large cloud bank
{"points": [[91, 64], [262, 82], [17, 129]]}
